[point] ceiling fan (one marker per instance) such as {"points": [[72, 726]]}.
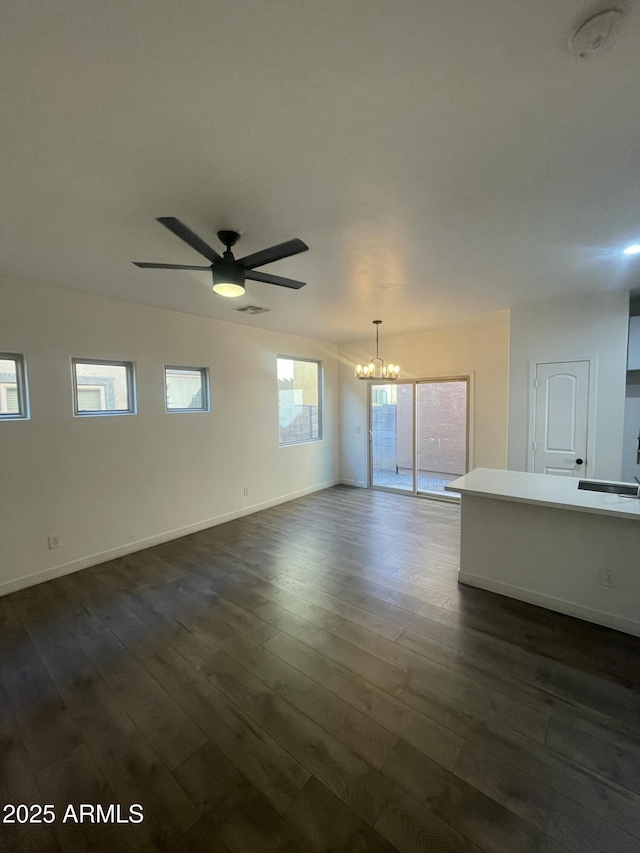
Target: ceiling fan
{"points": [[229, 274]]}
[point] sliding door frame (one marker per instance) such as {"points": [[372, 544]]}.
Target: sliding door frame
{"points": [[468, 378]]}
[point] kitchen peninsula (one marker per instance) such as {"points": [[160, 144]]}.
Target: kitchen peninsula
{"points": [[538, 538]]}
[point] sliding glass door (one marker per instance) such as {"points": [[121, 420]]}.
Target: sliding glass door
{"points": [[391, 434], [441, 446], [418, 435]]}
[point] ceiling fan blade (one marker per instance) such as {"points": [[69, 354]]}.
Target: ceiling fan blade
{"points": [[146, 266], [274, 279], [186, 234], [274, 253]]}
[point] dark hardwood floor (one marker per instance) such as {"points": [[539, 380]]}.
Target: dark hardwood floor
{"points": [[312, 678]]}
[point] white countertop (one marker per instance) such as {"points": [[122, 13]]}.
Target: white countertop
{"points": [[544, 490]]}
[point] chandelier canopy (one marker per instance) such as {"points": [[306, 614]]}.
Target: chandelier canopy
{"points": [[377, 369]]}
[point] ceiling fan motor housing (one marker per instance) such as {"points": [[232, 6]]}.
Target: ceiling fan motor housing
{"points": [[228, 270]]}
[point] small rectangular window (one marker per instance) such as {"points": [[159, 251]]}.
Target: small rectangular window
{"points": [[103, 387], [299, 400], [186, 389], [13, 388]]}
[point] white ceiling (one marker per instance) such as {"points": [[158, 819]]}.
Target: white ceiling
{"points": [[442, 159]]}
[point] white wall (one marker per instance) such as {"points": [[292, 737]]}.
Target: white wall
{"points": [[109, 485], [564, 330], [480, 348]]}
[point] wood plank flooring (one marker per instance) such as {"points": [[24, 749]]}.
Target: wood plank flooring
{"points": [[312, 678]]}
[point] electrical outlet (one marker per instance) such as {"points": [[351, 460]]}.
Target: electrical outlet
{"points": [[54, 542], [607, 577], [245, 491], [358, 430]]}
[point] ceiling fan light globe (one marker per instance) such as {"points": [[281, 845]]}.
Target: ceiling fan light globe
{"points": [[227, 288]]}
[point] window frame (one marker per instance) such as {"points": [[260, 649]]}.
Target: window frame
{"points": [[23, 413], [320, 368], [206, 392], [130, 369]]}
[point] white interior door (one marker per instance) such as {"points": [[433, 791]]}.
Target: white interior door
{"points": [[561, 419]]}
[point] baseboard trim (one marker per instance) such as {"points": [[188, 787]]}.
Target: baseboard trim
{"points": [[7, 587], [358, 484], [599, 617]]}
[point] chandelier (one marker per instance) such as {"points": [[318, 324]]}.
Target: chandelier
{"points": [[377, 369]]}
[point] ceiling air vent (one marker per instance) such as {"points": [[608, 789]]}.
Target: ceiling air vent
{"points": [[252, 309]]}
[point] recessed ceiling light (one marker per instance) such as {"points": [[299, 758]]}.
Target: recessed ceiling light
{"points": [[595, 34], [632, 250]]}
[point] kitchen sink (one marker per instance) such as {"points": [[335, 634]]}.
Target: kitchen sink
{"points": [[627, 490]]}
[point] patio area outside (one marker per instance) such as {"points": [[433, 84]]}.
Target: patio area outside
{"points": [[429, 482]]}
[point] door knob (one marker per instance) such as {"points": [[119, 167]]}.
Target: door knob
{"points": [[579, 461]]}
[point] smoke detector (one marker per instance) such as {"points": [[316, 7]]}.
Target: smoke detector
{"points": [[596, 34]]}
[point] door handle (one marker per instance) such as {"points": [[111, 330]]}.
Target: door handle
{"points": [[579, 461]]}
